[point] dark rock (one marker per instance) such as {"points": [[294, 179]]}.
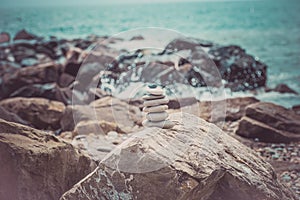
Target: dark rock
{"points": [[296, 109], [242, 71], [36, 165], [138, 37], [153, 71], [187, 44], [4, 37], [65, 80], [8, 68], [22, 51], [24, 35], [282, 88], [194, 160], [29, 62], [44, 49], [40, 113], [43, 73], [49, 91], [72, 68], [86, 73], [270, 123], [232, 63], [12, 117]]}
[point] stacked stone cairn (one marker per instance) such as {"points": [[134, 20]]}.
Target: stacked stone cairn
{"points": [[155, 105]]}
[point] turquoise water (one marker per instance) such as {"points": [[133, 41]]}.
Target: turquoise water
{"points": [[269, 30]]}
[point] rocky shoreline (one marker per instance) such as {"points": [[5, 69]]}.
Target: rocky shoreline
{"points": [[52, 126]]}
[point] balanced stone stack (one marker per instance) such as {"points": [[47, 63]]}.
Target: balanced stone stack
{"points": [[155, 105]]}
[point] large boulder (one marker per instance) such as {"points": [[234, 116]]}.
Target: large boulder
{"points": [[49, 91], [241, 70], [36, 165], [40, 113], [231, 109], [12, 117], [193, 160], [270, 123], [44, 73]]}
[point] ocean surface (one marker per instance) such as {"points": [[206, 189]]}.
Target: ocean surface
{"points": [[269, 30]]}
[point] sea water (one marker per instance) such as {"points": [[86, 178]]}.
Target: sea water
{"points": [[269, 30]]}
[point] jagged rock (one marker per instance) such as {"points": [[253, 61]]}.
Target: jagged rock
{"points": [[65, 80], [187, 44], [193, 160], [40, 113], [49, 91], [270, 123], [296, 109], [138, 37], [24, 35], [43, 73], [282, 88], [12, 117], [8, 67], [241, 70], [4, 37], [36, 165]]}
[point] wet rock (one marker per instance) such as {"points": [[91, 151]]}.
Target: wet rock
{"points": [[242, 71], [65, 80], [282, 88], [208, 164], [24, 35], [148, 72], [138, 37], [8, 68], [270, 123], [49, 91], [40, 113], [23, 51], [36, 165], [29, 62], [11, 117], [43, 73], [187, 44], [4, 37], [296, 109]]}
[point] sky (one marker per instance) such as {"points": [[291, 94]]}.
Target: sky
{"points": [[5, 3]]}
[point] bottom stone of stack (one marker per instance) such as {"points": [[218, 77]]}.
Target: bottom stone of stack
{"points": [[162, 124]]}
